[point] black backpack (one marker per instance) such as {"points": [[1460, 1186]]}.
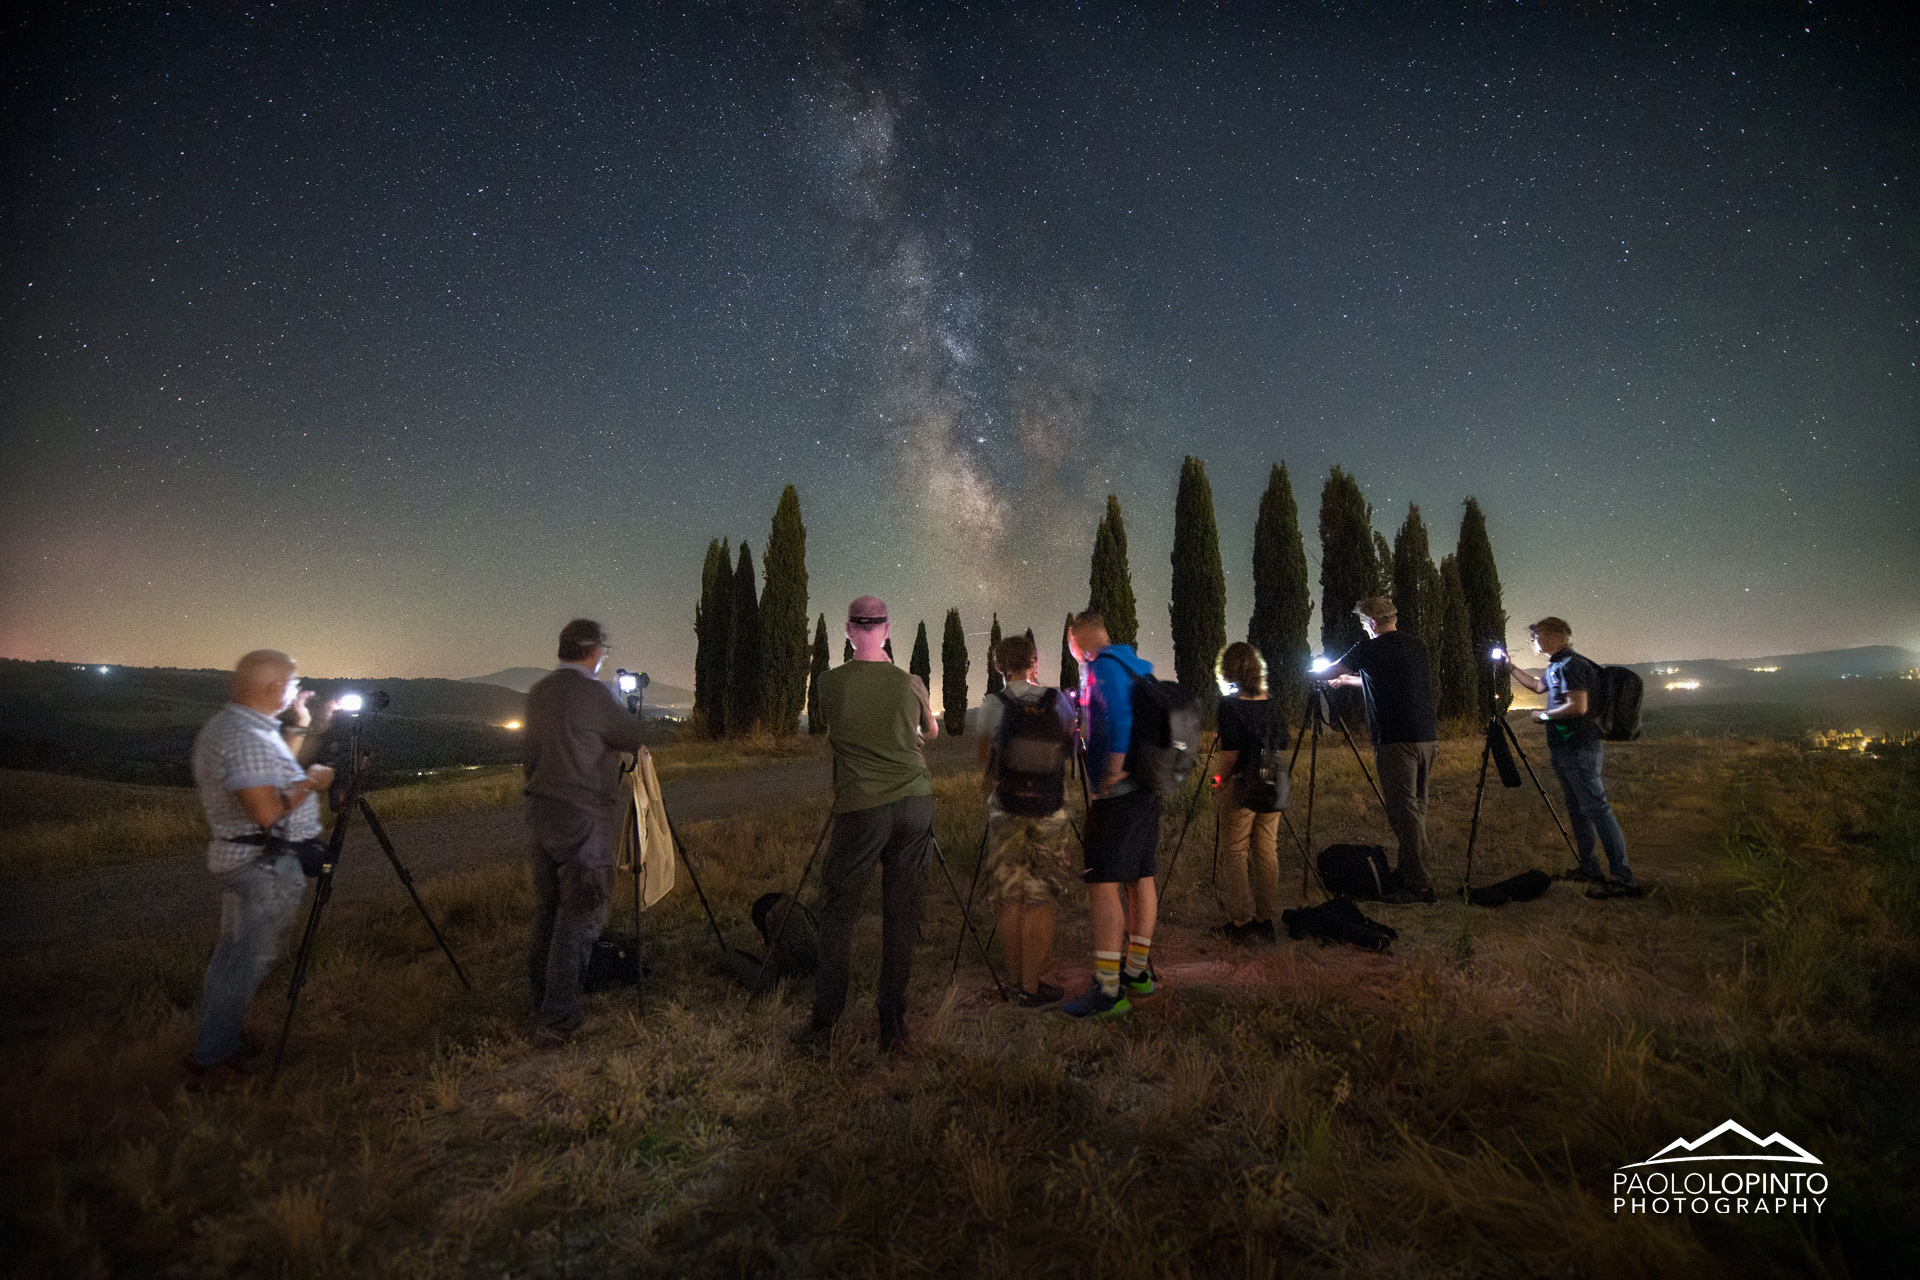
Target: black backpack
{"points": [[1338, 920], [1524, 887], [1618, 693], [790, 932], [1031, 747], [616, 960], [1356, 871], [1266, 784], [1165, 747]]}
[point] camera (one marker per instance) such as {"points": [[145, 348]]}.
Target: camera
{"points": [[1497, 654], [354, 703]]}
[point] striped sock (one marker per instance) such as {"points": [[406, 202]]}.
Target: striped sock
{"points": [[1137, 947], [1106, 972]]}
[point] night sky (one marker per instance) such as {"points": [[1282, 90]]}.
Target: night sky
{"points": [[396, 336]]}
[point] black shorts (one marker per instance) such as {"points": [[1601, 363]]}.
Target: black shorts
{"points": [[1123, 837]]}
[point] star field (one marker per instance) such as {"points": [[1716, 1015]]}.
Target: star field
{"points": [[394, 338]]}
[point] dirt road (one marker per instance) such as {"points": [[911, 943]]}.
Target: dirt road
{"points": [[166, 895]]}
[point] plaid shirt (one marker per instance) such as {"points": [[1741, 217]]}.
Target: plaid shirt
{"points": [[237, 749]]}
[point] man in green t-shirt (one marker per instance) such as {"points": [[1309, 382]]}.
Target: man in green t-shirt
{"points": [[877, 716]]}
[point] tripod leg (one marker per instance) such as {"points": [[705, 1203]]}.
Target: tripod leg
{"points": [[406, 878], [1552, 812], [639, 865], [322, 892], [1473, 831], [979, 862], [966, 919], [1313, 763], [1354, 747], [685, 861], [1193, 807]]}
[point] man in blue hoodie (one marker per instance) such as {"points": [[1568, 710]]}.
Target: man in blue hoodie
{"points": [[1123, 826]]}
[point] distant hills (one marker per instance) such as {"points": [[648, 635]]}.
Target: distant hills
{"points": [[658, 697], [1785, 694]]}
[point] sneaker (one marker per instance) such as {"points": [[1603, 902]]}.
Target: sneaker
{"points": [[1580, 875], [1616, 889], [1040, 997], [1138, 984], [1407, 897], [1097, 1004]]}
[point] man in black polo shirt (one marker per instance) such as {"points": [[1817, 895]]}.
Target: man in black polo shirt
{"points": [[1575, 748], [1391, 667]]}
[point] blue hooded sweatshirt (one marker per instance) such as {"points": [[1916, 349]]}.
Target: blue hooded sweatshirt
{"points": [[1109, 708]]}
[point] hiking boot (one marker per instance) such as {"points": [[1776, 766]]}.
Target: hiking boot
{"points": [[1138, 984], [221, 1077], [1616, 889], [1580, 875], [1407, 897], [814, 1038], [1097, 1004], [1040, 997]]}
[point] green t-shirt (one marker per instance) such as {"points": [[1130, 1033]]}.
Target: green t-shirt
{"points": [[873, 712]]}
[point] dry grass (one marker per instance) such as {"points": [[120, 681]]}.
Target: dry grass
{"points": [[1452, 1109]]}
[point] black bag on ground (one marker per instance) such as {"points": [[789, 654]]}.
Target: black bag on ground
{"points": [[1524, 887], [616, 960], [1356, 871], [790, 932], [1339, 920], [1031, 747], [1619, 696], [1165, 746]]}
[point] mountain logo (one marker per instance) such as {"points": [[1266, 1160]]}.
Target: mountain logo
{"points": [[1762, 1149]]}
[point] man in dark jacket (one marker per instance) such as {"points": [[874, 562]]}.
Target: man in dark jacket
{"points": [[1392, 668], [575, 729]]}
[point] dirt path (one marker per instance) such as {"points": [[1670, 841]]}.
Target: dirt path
{"points": [[171, 894]]}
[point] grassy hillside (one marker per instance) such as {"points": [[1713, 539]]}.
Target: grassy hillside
{"points": [[1454, 1108]]}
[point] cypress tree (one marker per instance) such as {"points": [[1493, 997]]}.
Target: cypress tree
{"points": [[1412, 561], [995, 681], [1282, 600], [821, 655], [746, 674], [710, 641], [1110, 581], [1486, 615], [1069, 665], [1198, 609], [953, 675], [846, 652], [783, 618], [1455, 671], [1382, 561], [921, 663], [720, 668], [1346, 562]]}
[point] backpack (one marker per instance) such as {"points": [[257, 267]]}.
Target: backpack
{"points": [[1165, 747], [1356, 871], [1524, 887], [614, 961], [1619, 693], [1032, 745], [1267, 785], [790, 932], [1338, 920]]}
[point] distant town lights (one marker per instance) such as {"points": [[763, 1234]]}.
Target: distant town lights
{"points": [[511, 724], [1683, 684]]}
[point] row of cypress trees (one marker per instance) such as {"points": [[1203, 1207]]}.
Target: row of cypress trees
{"points": [[1454, 608], [750, 665]]}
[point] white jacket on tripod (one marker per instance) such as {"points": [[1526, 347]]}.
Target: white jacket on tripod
{"points": [[644, 839]]}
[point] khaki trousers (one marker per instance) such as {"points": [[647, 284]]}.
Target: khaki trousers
{"points": [[1406, 769], [1252, 892]]}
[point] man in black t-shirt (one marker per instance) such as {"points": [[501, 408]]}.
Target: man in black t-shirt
{"points": [[1391, 667], [1571, 682]]}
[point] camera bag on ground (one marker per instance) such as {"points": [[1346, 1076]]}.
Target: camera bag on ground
{"points": [[1339, 920], [1619, 696], [1356, 871], [790, 932], [1031, 747], [1524, 887], [615, 961], [1165, 746]]}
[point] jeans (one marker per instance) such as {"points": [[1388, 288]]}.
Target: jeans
{"points": [[1255, 897], [572, 873], [1578, 768], [258, 900], [1406, 769], [894, 836]]}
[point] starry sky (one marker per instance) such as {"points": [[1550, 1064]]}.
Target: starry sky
{"points": [[394, 336]]}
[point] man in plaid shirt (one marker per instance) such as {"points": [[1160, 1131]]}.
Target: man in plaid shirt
{"points": [[251, 782]]}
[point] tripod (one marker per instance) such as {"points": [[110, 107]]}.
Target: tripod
{"points": [[359, 768], [1316, 716], [1500, 737]]}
